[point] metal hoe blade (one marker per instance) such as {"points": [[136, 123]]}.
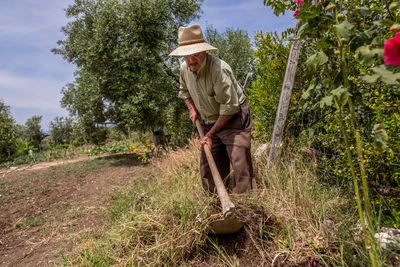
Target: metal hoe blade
{"points": [[221, 226]]}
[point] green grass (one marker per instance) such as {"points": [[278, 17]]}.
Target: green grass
{"points": [[6, 190], [77, 213], [223, 256], [32, 221]]}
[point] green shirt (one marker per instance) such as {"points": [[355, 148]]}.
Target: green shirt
{"points": [[214, 90]]}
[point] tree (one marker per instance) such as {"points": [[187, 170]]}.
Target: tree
{"points": [[61, 130], [121, 51], [234, 47], [8, 134], [270, 62], [33, 131], [84, 102]]}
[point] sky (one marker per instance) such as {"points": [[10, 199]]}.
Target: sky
{"points": [[31, 76]]}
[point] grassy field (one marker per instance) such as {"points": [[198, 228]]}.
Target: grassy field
{"points": [[119, 211], [292, 219]]}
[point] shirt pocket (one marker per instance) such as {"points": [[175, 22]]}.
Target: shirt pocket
{"points": [[209, 88]]}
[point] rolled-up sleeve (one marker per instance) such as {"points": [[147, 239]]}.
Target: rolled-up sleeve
{"points": [[225, 93], [183, 90]]}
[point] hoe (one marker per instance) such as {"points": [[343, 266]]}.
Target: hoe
{"points": [[227, 223]]}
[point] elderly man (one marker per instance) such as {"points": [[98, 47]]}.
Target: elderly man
{"points": [[213, 95]]}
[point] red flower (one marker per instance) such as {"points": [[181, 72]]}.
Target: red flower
{"points": [[300, 2], [391, 51], [296, 13]]}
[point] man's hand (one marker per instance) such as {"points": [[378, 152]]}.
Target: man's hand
{"points": [[218, 125], [207, 139], [193, 113]]}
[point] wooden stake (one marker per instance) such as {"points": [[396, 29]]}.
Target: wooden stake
{"points": [[284, 101]]}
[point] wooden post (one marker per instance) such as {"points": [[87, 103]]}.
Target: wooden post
{"points": [[247, 82], [284, 100]]}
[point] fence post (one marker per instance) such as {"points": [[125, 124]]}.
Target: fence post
{"points": [[247, 82], [284, 100]]}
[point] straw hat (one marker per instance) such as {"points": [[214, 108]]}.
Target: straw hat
{"points": [[191, 41]]}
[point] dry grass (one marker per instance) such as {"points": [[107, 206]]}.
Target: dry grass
{"points": [[310, 215], [292, 219]]}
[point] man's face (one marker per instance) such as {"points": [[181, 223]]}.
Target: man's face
{"points": [[194, 61]]}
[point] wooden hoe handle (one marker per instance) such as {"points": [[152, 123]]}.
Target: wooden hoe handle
{"points": [[227, 206]]}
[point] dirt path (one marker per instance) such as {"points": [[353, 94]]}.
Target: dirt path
{"points": [[46, 208], [47, 164]]}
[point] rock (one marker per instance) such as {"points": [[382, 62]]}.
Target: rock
{"points": [[260, 150], [388, 237]]}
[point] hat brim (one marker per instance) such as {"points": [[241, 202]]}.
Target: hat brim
{"points": [[186, 50]]}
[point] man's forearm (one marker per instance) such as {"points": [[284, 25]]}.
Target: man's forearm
{"points": [[189, 103], [193, 113], [219, 124]]}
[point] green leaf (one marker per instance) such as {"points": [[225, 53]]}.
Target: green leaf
{"points": [[368, 34], [386, 75], [326, 101], [365, 11], [386, 22], [345, 29], [366, 55], [302, 31], [307, 93], [341, 94], [370, 78], [309, 14], [316, 60], [322, 43], [380, 136], [377, 41]]}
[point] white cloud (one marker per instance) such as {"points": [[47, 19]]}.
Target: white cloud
{"points": [[249, 15], [24, 17], [29, 92]]}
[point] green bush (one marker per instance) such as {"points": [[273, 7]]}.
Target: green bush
{"points": [[23, 147], [8, 134], [270, 57], [61, 130]]}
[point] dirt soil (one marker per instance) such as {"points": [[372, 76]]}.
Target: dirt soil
{"points": [[46, 208]]}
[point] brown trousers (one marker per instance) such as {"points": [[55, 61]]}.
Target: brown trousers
{"points": [[231, 145]]}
